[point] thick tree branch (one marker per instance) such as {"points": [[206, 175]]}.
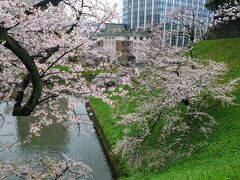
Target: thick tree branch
{"points": [[34, 76], [44, 3]]}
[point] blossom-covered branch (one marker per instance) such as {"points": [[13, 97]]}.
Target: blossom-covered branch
{"points": [[227, 12]]}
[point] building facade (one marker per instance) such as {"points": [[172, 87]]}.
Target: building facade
{"points": [[119, 40], [147, 14]]}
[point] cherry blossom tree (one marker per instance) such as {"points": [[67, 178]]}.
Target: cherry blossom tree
{"points": [[213, 5], [227, 12], [177, 92], [226, 21], [191, 26], [36, 43]]}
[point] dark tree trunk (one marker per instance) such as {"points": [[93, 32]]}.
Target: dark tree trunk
{"points": [[33, 76]]}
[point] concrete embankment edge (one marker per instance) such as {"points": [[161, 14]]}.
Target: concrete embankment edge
{"points": [[103, 140]]}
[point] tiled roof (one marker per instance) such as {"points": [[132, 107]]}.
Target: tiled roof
{"points": [[114, 26]]}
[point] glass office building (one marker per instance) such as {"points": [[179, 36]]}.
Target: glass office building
{"points": [[144, 14]]}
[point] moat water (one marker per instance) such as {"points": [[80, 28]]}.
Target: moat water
{"points": [[53, 140]]}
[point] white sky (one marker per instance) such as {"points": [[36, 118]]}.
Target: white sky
{"points": [[119, 6], [118, 2], [110, 3]]}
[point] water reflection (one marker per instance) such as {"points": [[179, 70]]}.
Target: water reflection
{"points": [[53, 140]]}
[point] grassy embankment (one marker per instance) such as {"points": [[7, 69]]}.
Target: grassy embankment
{"points": [[220, 159]]}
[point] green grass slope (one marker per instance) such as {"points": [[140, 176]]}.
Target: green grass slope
{"points": [[220, 159]]}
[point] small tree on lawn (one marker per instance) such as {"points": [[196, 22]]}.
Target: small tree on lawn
{"points": [[192, 26]]}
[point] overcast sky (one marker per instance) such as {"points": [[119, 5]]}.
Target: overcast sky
{"points": [[118, 2], [119, 6]]}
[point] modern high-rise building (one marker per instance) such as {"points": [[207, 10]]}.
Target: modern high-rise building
{"points": [[146, 14]]}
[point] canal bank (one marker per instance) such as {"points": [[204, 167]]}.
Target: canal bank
{"points": [[103, 140]]}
